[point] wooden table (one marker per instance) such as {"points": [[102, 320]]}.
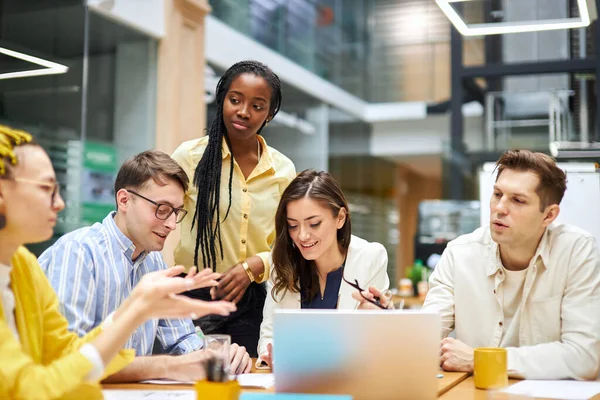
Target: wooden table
{"points": [[466, 390], [450, 381], [445, 384]]}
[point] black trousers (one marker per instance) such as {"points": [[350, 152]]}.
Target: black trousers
{"points": [[243, 325]]}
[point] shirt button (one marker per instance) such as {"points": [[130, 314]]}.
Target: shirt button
{"points": [[494, 291], [500, 323], [245, 216], [243, 241], [244, 190]]}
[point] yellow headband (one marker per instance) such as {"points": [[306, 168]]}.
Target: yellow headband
{"points": [[9, 139]]}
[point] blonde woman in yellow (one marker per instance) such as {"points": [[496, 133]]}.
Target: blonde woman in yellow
{"points": [[39, 357]]}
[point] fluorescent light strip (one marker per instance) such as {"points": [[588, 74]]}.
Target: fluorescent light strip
{"points": [[511, 27], [51, 67]]}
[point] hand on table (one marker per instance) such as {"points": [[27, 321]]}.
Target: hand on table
{"points": [[268, 358], [240, 361], [456, 356]]}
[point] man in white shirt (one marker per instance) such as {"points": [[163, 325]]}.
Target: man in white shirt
{"points": [[523, 282]]}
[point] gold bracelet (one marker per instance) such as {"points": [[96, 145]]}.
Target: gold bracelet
{"points": [[248, 271]]}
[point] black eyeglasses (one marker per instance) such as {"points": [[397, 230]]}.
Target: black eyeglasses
{"points": [[356, 286], [53, 188], [164, 211]]}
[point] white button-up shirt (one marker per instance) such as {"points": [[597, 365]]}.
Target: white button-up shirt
{"points": [[559, 315]]}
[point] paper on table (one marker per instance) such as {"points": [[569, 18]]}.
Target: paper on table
{"points": [[149, 394], [263, 381], [569, 390]]}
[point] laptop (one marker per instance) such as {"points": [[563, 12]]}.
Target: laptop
{"points": [[365, 354]]}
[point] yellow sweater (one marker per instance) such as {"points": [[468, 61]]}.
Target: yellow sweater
{"points": [[46, 363]]}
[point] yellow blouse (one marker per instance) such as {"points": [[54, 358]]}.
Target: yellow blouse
{"points": [[46, 363], [250, 226]]}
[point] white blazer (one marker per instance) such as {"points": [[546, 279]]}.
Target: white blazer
{"points": [[365, 261]]}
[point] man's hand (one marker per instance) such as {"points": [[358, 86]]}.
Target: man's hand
{"points": [[157, 296], [233, 284], [204, 278], [241, 363], [456, 356], [187, 367], [190, 367]]}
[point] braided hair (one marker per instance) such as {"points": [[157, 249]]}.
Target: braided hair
{"points": [[207, 176], [9, 139]]}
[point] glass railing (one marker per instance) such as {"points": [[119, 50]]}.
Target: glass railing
{"points": [[325, 37], [529, 120], [380, 51]]}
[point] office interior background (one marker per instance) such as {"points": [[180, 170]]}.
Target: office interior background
{"points": [[387, 95]]}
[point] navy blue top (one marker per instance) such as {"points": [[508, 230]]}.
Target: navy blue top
{"points": [[332, 292]]}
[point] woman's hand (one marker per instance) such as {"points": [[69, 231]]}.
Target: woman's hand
{"points": [[384, 299], [233, 284], [157, 295], [235, 280], [268, 358]]}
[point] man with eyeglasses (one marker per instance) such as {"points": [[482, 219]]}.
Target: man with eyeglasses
{"points": [[93, 269]]}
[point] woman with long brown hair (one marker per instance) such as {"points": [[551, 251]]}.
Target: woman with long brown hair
{"points": [[315, 252]]}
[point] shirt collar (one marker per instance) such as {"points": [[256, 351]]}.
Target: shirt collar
{"points": [[126, 245], [542, 252], [5, 272], [266, 160]]}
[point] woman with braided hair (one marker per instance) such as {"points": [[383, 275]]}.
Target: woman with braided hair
{"points": [[40, 358], [238, 181]]}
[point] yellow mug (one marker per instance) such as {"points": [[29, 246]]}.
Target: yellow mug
{"points": [[490, 368], [229, 390]]}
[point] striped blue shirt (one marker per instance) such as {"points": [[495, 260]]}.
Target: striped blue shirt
{"points": [[92, 273]]}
